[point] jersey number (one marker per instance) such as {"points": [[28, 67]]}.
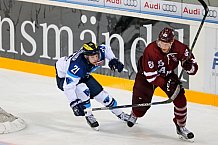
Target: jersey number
{"points": [[75, 69]]}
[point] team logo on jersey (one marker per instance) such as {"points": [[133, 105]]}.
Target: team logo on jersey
{"points": [[172, 56], [69, 80], [150, 64], [106, 100], [87, 92]]}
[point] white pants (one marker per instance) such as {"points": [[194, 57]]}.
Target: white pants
{"points": [[83, 93]]}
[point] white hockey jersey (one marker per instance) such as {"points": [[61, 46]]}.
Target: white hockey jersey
{"points": [[76, 66]]}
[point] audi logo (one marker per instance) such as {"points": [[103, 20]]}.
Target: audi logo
{"points": [[211, 13], [94, 0], [131, 3], [169, 8]]}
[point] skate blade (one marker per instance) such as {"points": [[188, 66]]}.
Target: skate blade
{"points": [[95, 128], [185, 139]]}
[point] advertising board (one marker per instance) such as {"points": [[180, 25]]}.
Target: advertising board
{"points": [[42, 34]]}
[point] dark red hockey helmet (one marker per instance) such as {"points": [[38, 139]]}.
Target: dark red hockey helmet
{"points": [[166, 35]]}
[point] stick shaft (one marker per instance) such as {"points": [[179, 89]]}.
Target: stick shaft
{"points": [[198, 32]]}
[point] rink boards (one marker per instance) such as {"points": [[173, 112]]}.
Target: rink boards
{"points": [[43, 31], [46, 70]]}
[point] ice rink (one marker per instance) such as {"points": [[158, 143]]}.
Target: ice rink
{"points": [[50, 120]]}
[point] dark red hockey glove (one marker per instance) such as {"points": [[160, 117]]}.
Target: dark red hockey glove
{"points": [[171, 84], [187, 65]]}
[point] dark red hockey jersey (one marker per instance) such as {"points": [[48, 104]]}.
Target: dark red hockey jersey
{"points": [[156, 65]]}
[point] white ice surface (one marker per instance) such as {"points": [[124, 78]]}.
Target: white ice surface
{"points": [[50, 120]]}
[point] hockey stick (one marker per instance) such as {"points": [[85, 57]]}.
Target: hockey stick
{"points": [[180, 76], [138, 105], [206, 9], [127, 106]]}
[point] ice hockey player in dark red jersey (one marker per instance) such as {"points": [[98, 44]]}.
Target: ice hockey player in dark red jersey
{"points": [[156, 69]]}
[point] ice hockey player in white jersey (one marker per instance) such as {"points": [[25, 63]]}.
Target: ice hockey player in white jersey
{"points": [[73, 76], [9, 123]]}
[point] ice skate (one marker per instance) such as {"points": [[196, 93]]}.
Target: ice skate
{"points": [[123, 116], [132, 120], [184, 134], [92, 122]]}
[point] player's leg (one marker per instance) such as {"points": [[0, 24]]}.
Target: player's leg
{"points": [[180, 112], [10, 123], [142, 93], [180, 116], [102, 96], [107, 100], [83, 93]]}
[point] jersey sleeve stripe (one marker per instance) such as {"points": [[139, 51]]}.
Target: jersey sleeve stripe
{"points": [[147, 74], [151, 79], [150, 76]]}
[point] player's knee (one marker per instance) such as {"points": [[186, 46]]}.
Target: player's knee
{"points": [[83, 92], [140, 112]]}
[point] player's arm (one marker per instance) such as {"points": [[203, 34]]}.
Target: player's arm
{"points": [[170, 84], [150, 70], [114, 63], [107, 51], [189, 64]]}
